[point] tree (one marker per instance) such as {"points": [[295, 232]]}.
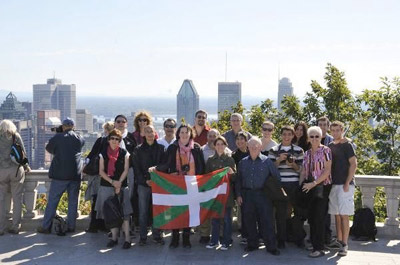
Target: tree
{"points": [[384, 106]]}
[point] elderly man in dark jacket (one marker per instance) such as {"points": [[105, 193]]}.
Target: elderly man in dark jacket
{"points": [[148, 154], [65, 172]]}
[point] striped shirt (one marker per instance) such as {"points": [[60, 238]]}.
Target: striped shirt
{"points": [[317, 162], [288, 174]]}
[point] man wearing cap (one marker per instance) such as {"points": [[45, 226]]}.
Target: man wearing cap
{"points": [[65, 173]]}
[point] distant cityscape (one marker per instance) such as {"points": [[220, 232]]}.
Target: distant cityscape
{"points": [[55, 101]]}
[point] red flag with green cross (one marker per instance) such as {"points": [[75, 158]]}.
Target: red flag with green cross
{"points": [[187, 201]]}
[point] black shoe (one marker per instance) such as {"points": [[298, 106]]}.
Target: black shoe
{"points": [[70, 230], [174, 243], [281, 244], [43, 230], [204, 239], [14, 231], [112, 243], [142, 242], [91, 230], [159, 241], [126, 245], [300, 244], [274, 252], [249, 249], [186, 243]]}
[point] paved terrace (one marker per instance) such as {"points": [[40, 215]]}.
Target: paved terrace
{"points": [[82, 248]]}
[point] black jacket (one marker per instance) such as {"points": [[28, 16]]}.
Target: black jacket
{"points": [[169, 166], [66, 148], [130, 142], [144, 157], [97, 147]]}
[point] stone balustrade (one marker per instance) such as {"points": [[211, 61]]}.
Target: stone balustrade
{"points": [[367, 184]]}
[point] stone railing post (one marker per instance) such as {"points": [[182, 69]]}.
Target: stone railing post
{"points": [[30, 195], [367, 196], [392, 205]]}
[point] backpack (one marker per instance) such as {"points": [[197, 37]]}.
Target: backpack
{"points": [[17, 154], [363, 228], [59, 225], [112, 211]]}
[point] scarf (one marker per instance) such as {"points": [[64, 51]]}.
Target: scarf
{"points": [[122, 143], [184, 156], [112, 160]]}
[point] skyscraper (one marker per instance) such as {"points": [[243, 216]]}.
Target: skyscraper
{"points": [[46, 119], [55, 95], [187, 102], [84, 120], [12, 109], [229, 93], [285, 88]]}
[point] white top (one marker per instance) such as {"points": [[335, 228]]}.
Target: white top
{"points": [[164, 142]]}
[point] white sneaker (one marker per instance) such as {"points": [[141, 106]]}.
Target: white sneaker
{"points": [[343, 251], [224, 247], [211, 245]]}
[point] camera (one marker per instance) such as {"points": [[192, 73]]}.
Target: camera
{"points": [[58, 129], [185, 168], [290, 158]]}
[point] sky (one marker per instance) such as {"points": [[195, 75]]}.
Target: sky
{"points": [[147, 48]]}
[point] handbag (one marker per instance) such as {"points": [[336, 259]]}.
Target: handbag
{"points": [[273, 189], [113, 212]]}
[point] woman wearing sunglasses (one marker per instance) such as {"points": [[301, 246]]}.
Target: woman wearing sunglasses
{"points": [[316, 172], [113, 169], [142, 119], [267, 143]]}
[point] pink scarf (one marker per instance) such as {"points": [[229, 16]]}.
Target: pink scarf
{"points": [[184, 154], [112, 160]]}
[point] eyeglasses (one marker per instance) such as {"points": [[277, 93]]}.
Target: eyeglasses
{"points": [[201, 117], [115, 138], [267, 129], [314, 136], [120, 121], [170, 126], [143, 120]]}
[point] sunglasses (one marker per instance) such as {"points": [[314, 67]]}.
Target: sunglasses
{"points": [[267, 129], [201, 117], [314, 136], [143, 120], [170, 126], [120, 121], [115, 138]]}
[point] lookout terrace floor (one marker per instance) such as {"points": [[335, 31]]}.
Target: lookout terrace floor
{"points": [[83, 248]]}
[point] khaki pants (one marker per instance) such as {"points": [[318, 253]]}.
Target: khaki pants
{"points": [[205, 228], [8, 181]]}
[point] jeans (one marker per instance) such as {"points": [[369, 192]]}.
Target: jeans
{"points": [[227, 231], [144, 212], [57, 188], [255, 202]]}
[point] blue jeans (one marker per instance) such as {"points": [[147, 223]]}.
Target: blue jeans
{"points": [[144, 212], [57, 188], [256, 203], [227, 233]]}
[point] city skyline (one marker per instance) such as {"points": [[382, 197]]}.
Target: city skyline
{"points": [[129, 48]]}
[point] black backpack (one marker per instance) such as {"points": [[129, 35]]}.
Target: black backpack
{"points": [[17, 154], [363, 228], [59, 225], [112, 211]]}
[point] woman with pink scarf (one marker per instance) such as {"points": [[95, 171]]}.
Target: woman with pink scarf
{"points": [[184, 157]]}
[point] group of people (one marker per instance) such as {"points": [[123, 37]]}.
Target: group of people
{"points": [[314, 171]]}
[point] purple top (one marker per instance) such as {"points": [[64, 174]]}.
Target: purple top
{"points": [[317, 162]]}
